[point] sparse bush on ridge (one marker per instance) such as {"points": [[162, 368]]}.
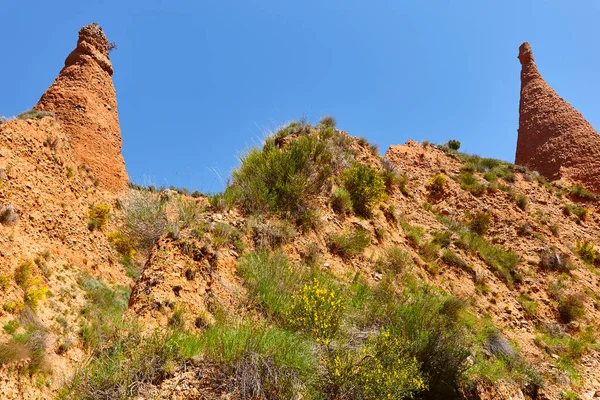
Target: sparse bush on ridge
{"points": [[34, 114], [453, 144], [392, 177], [282, 179], [224, 234], [328, 121]]}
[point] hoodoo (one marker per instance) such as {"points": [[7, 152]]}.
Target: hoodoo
{"points": [[83, 99], [554, 138]]}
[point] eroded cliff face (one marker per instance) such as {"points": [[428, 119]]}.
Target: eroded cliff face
{"points": [[84, 101], [554, 138]]}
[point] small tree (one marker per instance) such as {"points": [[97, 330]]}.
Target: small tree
{"points": [[454, 144]]}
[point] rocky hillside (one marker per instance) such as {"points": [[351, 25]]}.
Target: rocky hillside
{"points": [[325, 270]]}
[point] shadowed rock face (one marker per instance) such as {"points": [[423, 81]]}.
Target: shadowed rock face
{"points": [[83, 99], [554, 138]]}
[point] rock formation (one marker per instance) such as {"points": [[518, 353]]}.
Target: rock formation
{"points": [[554, 138], [83, 99]]}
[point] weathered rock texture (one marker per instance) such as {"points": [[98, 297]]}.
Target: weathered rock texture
{"points": [[554, 138], [84, 100]]}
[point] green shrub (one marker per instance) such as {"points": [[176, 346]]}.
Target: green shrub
{"points": [[579, 211], [328, 121], [224, 234], [11, 327], [144, 218], [127, 363], [98, 216], [480, 223], [451, 258], [317, 309], [282, 179], [270, 279], [223, 201], [570, 307], [102, 313], [442, 238], [469, 183], [272, 234], [392, 177], [122, 243], [309, 220], [436, 337], [587, 252], [454, 144], [341, 202], [4, 282], [437, 184], [366, 188], [503, 262], [414, 234], [23, 273], [521, 201], [582, 193], [528, 304], [429, 251], [348, 244], [34, 114], [395, 260], [244, 348]]}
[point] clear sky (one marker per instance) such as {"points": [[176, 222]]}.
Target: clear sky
{"points": [[198, 82]]}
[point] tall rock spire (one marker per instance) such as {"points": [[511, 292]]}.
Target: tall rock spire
{"points": [[554, 138], [83, 99]]}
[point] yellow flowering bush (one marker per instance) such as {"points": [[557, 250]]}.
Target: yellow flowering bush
{"points": [[383, 369], [387, 371], [317, 310], [123, 244]]}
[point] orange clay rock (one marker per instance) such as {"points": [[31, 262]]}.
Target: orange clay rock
{"points": [[554, 138], [84, 101]]}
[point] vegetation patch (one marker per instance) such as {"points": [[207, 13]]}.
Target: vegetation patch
{"points": [[366, 187], [348, 244]]}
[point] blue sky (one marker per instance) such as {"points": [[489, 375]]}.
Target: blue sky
{"points": [[198, 82]]}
